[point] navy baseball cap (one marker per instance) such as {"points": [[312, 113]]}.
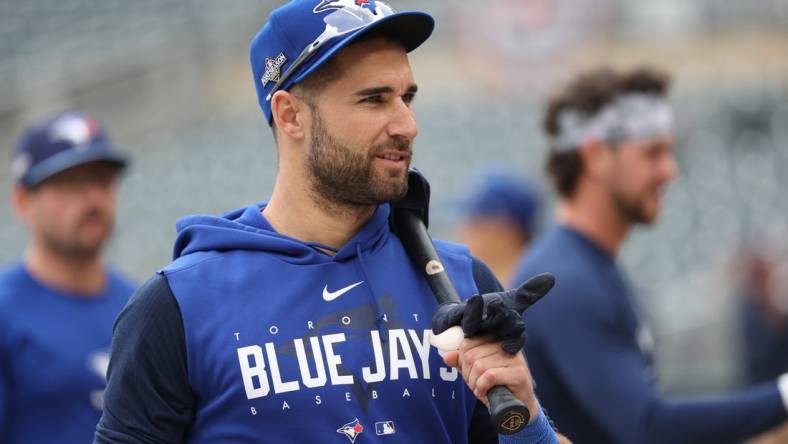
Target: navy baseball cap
{"points": [[505, 195], [301, 35], [67, 140]]}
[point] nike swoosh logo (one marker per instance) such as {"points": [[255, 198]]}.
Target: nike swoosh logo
{"points": [[331, 295]]}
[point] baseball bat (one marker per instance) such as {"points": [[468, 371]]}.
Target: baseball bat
{"points": [[509, 414]]}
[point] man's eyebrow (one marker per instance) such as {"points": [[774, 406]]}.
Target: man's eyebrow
{"points": [[412, 89], [375, 91]]}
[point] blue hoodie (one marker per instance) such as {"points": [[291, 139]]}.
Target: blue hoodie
{"points": [[285, 340], [252, 336]]}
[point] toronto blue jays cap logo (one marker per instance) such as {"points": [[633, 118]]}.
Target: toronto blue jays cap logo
{"points": [[351, 430], [325, 5], [76, 129]]}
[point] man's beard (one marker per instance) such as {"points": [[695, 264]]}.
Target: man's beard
{"points": [[345, 177], [632, 210], [72, 245]]}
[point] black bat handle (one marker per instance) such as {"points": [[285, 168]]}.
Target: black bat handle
{"points": [[509, 414]]}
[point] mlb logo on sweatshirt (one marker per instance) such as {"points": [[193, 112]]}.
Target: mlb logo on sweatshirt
{"points": [[385, 428]]}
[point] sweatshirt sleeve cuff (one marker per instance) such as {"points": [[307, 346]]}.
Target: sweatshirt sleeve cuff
{"points": [[539, 431], [782, 385]]}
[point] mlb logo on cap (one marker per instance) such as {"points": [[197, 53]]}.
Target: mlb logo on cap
{"points": [[67, 140]]}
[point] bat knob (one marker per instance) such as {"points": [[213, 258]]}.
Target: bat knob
{"points": [[508, 413], [447, 340]]}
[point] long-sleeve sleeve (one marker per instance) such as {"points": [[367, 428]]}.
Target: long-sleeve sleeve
{"points": [[148, 398], [606, 373]]}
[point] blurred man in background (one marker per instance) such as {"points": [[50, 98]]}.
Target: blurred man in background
{"points": [[499, 220], [58, 302], [611, 157]]}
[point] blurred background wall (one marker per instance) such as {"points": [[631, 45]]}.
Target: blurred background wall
{"points": [[171, 81]]}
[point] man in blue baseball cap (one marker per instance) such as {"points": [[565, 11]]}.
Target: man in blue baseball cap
{"points": [[58, 302], [302, 319], [499, 219]]}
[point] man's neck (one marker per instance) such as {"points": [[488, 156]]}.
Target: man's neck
{"points": [[596, 219], [300, 214], [80, 276]]}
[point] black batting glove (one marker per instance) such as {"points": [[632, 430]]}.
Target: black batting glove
{"points": [[498, 313]]}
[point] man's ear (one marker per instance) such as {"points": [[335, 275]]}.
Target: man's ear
{"points": [[290, 114], [20, 201], [596, 158]]}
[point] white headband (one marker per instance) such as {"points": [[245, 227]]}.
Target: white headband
{"points": [[631, 116]]}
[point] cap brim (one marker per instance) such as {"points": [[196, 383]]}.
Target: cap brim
{"points": [[411, 28], [69, 159]]}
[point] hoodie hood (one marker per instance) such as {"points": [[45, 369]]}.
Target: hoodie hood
{"points": [[247, 229]]}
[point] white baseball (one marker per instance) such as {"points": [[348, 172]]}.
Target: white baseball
{"points": [[448, 340]]}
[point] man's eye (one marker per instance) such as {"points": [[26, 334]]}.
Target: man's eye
{"points": [[409, 98], [372, 99]]}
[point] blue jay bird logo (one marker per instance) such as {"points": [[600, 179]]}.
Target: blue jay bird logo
{"points": [[351, 430], [339, 4]]}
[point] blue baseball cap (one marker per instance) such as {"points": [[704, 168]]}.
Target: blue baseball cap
{"points": [[505, 195], [67, 140], [301, 35]]}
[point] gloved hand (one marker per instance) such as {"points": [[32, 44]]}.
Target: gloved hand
{"points": [[499, 313]]}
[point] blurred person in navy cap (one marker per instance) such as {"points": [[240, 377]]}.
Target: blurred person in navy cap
{"points": [[58, 301], [499, 219]]}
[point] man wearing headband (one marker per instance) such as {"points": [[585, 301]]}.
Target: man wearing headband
{"points": [[302, 319], [610, 159]]}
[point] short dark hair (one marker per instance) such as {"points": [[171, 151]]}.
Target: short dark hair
{"points": [[588, 93], [313, 84]]}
